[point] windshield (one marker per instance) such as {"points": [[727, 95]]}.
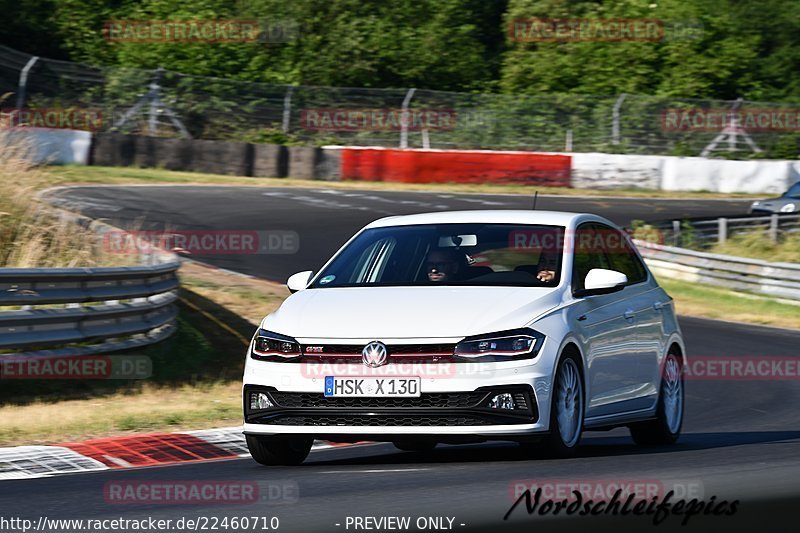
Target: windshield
{"points": [[449, 254], [794, 191]]}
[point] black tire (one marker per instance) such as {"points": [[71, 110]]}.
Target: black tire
{"points": [[658, 431], [278, 451], [415, 445], [555, 444]]}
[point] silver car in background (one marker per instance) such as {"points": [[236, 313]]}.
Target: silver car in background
{"points": [[788, 202]]}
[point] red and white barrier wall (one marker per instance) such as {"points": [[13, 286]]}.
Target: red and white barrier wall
{"points": [[456, 166], [578, 170]]}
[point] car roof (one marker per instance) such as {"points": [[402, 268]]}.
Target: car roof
{"points": [[496, 216]]}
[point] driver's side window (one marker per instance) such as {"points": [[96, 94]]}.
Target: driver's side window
{"points": [[589, 253]]}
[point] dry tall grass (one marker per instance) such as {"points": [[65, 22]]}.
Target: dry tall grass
{"points": [[33, 234], [758, 245]]}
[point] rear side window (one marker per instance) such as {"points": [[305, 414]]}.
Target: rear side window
{"points": [[589, 253], [623, 257], [600, 246]]}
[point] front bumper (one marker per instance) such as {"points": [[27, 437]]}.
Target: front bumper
{"points": [[453, 403]]}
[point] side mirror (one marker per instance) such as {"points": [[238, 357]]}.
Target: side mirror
{"points": [[299, 281], [603, 281]]}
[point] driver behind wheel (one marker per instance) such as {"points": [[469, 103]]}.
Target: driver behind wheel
{"points": [[443, 265]]}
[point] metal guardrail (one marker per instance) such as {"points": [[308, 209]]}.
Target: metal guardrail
{"points": [[123, 307], [702, 233], [781, 280]]}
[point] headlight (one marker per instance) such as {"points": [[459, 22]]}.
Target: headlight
{"points": [[755, 203], [502, 346], [788, 208], [274, 346]]}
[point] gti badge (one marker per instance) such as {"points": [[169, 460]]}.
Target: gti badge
{"points": [[374, 354]]}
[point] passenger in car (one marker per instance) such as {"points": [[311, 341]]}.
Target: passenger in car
{"points": [[548, 263], [545, 275]]}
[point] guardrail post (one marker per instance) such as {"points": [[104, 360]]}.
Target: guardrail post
{"points": [[404, 120], [426, 140], [722, 230], [615, 119], [773, 228], [287, 110], [676, 232], [23, 82]]}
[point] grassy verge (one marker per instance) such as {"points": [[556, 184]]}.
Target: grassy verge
{"points": [[152, 408], [249, 298], [758, 245], [80, 175], [692, 299]]}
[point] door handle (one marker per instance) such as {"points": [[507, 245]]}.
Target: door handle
{"points": [[629, 314], [658, 306]]}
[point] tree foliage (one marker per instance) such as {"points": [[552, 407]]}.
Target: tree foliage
{"points": [[744, 49]]}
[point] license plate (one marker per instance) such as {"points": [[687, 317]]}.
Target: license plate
{"points": [[371, 387]]}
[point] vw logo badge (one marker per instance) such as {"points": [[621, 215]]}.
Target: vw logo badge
{"points": [[374, 354]]}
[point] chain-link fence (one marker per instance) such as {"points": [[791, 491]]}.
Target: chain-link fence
{"points": [[165, 103]]}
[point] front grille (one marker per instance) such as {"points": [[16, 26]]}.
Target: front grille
{"points": [[354, 350], [379, 420], [453, 400], [460, 408], [416, 349]]}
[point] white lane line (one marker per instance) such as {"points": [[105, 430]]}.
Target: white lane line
{"points": [[375, 471], [117, 461], [480, 201], [321, 202], [375, 198]]}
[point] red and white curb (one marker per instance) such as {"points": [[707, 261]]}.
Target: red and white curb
{"points": [[152, 449]]}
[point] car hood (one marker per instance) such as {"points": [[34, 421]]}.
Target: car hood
{"points": [[368, 313]]}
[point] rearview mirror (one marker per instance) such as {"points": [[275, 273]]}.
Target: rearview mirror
{"points": [[603, 281], [299, 281], [455, 241]]}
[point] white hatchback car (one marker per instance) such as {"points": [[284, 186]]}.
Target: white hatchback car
{"points": [[451, 327]]}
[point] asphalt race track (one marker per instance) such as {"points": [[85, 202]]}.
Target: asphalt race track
{"points": [[741, 439], [325, 218]]}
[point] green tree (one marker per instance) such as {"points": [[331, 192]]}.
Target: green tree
{"points": [[742, 49], [441, 44]]}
